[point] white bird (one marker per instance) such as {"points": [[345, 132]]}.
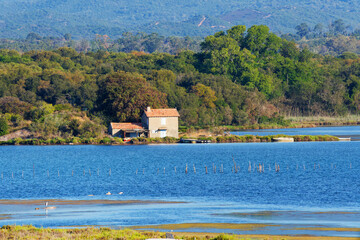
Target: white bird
{"points": [[108, 193]]}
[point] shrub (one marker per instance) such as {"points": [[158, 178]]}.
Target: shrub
{"points": [[105, 140], [117, 140], [4, 127]]}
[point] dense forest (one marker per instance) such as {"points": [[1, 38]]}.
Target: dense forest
{"points": [[334, 39], [128, 42], [238, 77], [83, 18]]}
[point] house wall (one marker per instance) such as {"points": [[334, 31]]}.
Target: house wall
{"points": [[114, 132], [156, 123]]}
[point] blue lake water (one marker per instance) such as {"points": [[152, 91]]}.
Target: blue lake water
{"points": [[313, 177]]}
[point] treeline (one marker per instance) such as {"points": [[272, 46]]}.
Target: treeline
{"points": [[241, 76], [128, 42], [335, 39]]}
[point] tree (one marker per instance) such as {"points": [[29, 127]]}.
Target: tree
{"points": [[4, 128], [123, 96], [302, 30], [338, 27], [67, 36], [206, 94], [33, 37], [319, 29]]}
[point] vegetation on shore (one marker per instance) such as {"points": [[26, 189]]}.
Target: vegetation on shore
{"points": [[30, 232], [141, 140], [241, 77]]}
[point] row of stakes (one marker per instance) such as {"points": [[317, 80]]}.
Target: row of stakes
{"points": [[235, 169]]}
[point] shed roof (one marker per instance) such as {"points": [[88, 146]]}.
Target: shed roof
{"points": [[166, 112], [127, 126]]}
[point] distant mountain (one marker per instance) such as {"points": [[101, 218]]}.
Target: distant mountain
{"points": [[85, 18]]}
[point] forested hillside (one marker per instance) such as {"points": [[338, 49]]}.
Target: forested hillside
{"points": [[85, 18], [238, 77]]}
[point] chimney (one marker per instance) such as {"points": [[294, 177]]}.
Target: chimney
{"points": [[148, 109]]}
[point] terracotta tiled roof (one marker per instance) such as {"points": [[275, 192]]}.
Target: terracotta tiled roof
{"points": [[169, 112], [127, 126]]}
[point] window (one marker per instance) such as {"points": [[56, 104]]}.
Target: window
{"points": [[163, 121]]}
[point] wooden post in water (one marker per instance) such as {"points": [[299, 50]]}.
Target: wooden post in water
{"points": [[89, 172], [206, 172], [194, 168], [249, 168], [214, 168], [222, 168], [110, 172], [235, 168], [186, 170]]}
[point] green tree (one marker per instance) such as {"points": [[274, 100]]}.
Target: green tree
{"points": [[123, 96], [4, 128]]}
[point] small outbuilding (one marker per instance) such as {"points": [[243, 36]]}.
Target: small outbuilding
{"points": [[127, 130]]}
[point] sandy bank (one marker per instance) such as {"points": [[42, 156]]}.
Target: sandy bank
{"points": [[78, 202]]}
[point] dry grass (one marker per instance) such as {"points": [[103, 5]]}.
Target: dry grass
{"points": [[30, 232], [340, 120]]}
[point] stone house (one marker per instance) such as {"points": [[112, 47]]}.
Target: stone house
{"points": [[154, 123], [161, 122]]}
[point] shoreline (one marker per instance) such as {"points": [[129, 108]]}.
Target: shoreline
{"points": [[187, 230], [98, 232], [167, 140]]}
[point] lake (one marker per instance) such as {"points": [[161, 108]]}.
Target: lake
{"points": [[318, 184]]}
